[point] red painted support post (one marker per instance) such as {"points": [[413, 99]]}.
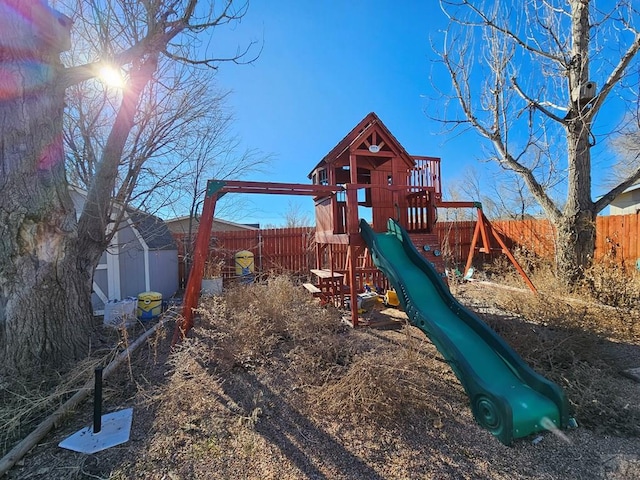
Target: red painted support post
{"points": [[509, 255], [352, 230], [200, 253], [353, 291], [472, 247], [486, 243], [480, 230], [483, 227]]}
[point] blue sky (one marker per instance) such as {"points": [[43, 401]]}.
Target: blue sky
{"points": [[323, 67], [325, 64]]}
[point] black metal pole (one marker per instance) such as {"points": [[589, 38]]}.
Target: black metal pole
{"points": [[97, 401]]}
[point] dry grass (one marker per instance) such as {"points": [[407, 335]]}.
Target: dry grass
{"points": [[339, 372], [271, 385], [579, 342], [261, 345], [27, 400], [252, 322], [610, 284], [386, 387]]}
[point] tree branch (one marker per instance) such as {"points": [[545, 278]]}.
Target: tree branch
{"points": [[161, 31], [487, 22], [529, 178], [614, 77], [538, 106]]}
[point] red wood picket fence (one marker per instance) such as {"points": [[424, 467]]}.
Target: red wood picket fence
{"points": [[274, 250], [617, 237], [534, 236], [293, 250]]}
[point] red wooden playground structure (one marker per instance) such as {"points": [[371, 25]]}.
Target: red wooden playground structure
{"points": [[369, 169], [368, 172]]}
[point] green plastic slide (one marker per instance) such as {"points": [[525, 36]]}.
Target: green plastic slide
{"points": [[507, 397]]}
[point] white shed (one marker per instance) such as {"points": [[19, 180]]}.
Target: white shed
{"points": [[141, 257]]}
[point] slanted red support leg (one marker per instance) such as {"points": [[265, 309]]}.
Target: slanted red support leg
{"points": [[472, 247], [510, 256], [353, 291], [201, 251], [482, 222]]}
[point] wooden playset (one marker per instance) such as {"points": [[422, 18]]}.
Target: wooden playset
{"points": [[367, 174]]}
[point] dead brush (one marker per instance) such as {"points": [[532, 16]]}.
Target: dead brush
{"points": [[317, 361], [607, 282], [382, 387], [599, 400], [570, 312], [254, 321], [571, 345], [190, 404], [26, 402]]}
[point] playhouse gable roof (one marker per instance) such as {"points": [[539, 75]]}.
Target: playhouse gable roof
{"points": [[357, 140]]}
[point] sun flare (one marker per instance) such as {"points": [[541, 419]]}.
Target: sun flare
{"points": [[111, 76]]}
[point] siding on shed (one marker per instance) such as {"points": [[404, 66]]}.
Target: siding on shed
{"points": [[122, 270]]}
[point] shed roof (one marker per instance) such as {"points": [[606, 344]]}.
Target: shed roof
{"points": [[153, 230]]}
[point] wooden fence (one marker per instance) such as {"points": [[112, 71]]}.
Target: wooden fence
{"points": [[274, 250], [535, 236], [293, 249], [617, 237]]}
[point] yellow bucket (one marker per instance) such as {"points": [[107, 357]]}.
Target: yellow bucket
{"points": [[244, 262], [391, 298], [149, 305]]}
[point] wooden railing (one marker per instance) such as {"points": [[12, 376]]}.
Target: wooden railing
{"points": [[420, 211], [426, 174]]}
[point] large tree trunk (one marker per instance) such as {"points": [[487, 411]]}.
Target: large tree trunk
{"points": [[45, 287], [575, 238], [575, 228]]}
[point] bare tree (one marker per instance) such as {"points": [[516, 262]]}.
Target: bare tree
{"points": [[470, 186], [532, 79], [47, 258], [215, 155], [504, 199], [511, 199], [295, 216], [627, 148]]}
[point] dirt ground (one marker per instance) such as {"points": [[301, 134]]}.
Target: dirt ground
{"points": [[261, 417]]}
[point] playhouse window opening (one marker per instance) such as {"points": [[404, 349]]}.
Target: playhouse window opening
{"points": [[323, 177]]}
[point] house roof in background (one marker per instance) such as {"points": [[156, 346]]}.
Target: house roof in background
{"points": [[633, 187], [247, 226]]}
